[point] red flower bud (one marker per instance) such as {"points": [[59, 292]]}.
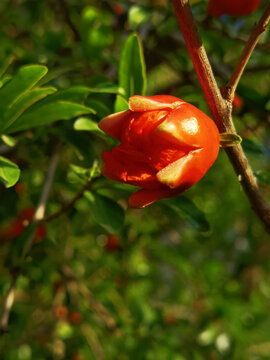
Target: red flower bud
{"points": [[217, 8], [167, 145]]}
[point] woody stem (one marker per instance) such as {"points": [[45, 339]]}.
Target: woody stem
{"points": [[254, 37], [220, 109]]}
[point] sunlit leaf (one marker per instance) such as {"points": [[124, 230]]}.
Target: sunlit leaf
{"points": [[106, 212], [132, 73], [9, 172], [187, 210]]}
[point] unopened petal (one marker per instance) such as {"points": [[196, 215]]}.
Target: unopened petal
{"points": [[142, 198], [112, 124], [129, 167], [138, 103], [184, 172]]}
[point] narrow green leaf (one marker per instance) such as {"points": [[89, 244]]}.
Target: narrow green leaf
{"points": [[24, 102], [85, 124], [188, 211], [80, 142], [80, 93], [24, 80], [8, 140], [106, 212], [80, 172], [8, 61], [47, 113], [9, 172], [263, 177], [100, 107], [132, 73]]}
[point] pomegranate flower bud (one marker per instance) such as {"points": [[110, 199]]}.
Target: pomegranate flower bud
{"points": [[217, 8], [167, 145]]}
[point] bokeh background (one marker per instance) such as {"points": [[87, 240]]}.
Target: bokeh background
{"points": [[186, 279]]}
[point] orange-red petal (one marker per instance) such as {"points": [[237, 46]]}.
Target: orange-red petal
{"points": [[129, 167], [144, 197], [112, 124], [183, 172]]}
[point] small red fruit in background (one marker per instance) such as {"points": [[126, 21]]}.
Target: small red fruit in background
{"points": [[78, 356], [237, 102], [22, 221], [20, 188], [60, 312], [112, 244], [167, 145], [217, 8], [75, 317], [118, 9]]}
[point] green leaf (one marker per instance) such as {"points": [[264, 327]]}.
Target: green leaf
{"points": [[8, 61], [188, 211], [41, 114], [263, 177], [80, 172], [106, 212], [132, 74], [85, 124], [100, 107], [80, 93], [137, 16], [9, 172], [23, 103], [80, 142], [8, 140], [24, 80]]}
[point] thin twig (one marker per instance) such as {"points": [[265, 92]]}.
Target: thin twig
{"points": [[225, 33], [252, 41], [8, 303], [40, 210], [39, 213], [220, 109], [67, 206]]}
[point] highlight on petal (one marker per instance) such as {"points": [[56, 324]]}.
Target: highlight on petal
{"points": [[144, 197], [138, 103], [112, 124], [176, 133], [181, 172]]}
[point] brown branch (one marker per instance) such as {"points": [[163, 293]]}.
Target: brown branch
{"points": [[220, 108], [67, 206], [244, 58]]}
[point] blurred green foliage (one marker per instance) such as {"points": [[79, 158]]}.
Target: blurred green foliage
{"points": [[185, 279]]}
